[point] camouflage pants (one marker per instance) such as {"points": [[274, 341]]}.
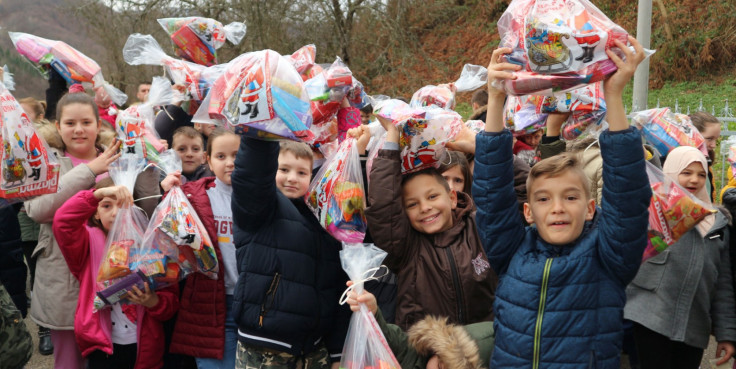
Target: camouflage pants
{"points": [[249, 357]]}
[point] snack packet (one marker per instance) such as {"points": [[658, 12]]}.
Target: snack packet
{"points": [[197, 39], [666, 130], [134, 125]]}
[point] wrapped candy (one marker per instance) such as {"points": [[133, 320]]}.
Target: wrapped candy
{"points": [[365, 345], [134, 125], [336, 195], [197, 39], [71, 64], [442, 96], [666, 130], [27, 169], [264, 92], [673, 211]]}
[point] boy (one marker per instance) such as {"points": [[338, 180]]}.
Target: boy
{"points": [[290, 275], [188, 144], [432, 241], [561, 293]]}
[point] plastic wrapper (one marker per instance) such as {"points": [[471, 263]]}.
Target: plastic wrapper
{"points": [[331, 85], [337, 196], [477, 126], [303, 60], [560, 44], [263, 91], [71, 64], [472, 78], [197, 39], [520, 114], [442, 96], [27, 169], [586, 105], [666, 130], [324, 134], [673, 211], [8, 80], [135, 125], [365, 345], [396, 110], [422, 141]]}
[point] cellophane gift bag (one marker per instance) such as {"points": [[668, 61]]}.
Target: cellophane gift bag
{"points": [[365, 345], [666, 130], [442, 95], [28, 169], [197, 38], [71, 64], [673, 211], [337, 196], [135, 125]]}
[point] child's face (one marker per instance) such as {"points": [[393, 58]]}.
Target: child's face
{"points": [[711, 133], [455, 178], [365, 118], [78, 128], [693, 177], [559, 206], [428, 204], [190, 152], [293, 176], [222, 159], [107, 209], [204, 129]]}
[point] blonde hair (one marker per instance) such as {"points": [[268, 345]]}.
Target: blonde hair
{"points": [[557, 166]]}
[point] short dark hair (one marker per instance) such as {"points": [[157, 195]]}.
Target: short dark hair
{"points": [[451, 159], [298, 149], [367, 109], [432, 172], [105, 182], [480, 97], [186, 131]]}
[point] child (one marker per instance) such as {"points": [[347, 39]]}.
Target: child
{"points": [[109, 338], [290, 275], [205, 130], [684, 294], [561, 292], [205, 327], [432, 343], [189, 145], [430, 235], [455, 169], [83, 162]]}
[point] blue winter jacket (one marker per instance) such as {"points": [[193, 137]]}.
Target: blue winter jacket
{"points": [[561, 306], [289, 274]]}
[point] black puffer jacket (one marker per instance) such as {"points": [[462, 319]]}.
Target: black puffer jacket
{"points": [[289, 273], [12, 269]]}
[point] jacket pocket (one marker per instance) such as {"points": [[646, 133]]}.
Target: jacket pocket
{"points": [[651, 272], [269, 298]]}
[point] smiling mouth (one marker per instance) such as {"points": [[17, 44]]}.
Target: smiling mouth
{"points": [[559, 224], [430, 219]]}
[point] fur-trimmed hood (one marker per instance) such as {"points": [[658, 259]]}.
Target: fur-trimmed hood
{"points": [[452, 343]]}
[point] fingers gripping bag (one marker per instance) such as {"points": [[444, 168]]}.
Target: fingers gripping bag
{"points": [[673, 211], [666, 130], [197, 39], [422, 140], [135, 127], [365, 345], [27, 169], [262, 91], [71, 64], [337, 196]]}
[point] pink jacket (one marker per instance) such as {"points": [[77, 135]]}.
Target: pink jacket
{"points": [[83, 252]]}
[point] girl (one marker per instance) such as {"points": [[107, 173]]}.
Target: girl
{"points": [[455, 169], [205, 327], [108, 338], [683, 294], [710, 128], [83, 161]]}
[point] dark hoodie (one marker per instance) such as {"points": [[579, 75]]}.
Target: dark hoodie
{"points": [[445, 274]]}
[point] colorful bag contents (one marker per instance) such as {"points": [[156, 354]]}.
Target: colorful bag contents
{"points": [[27, 169], [331, 85], [336, 195], [324, 133], [303, 60], [477, 126], [586, 105], [560, 44], [442, 96], [520, 114], [7, 79], [263, 91], [365, 345], [197, 39], [396, 110], [666, 130], [673, 211], [422, 141], [728, 149], [134, 125], [71, 64], [119, 291]]}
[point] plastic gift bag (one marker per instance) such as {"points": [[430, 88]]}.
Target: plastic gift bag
{"points": [[27, 169], [442, 96], [477, 126], [197, 39], [303, 60], [336, 195], [71, 64], [586, 105], [134, 125], [520, 114], [365, 345], [666, 130], [673, 211], [396, 110], [8, 80], [422, 141], [472, 78]]}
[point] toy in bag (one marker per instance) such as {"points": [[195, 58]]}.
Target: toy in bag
{"points": [[197, 39], [673, 211], [8, 80], [560, 44], [666, 130], [365, 345], [27, 169], [263, 91], [520, 114], [336, 195], [71, 64], [134, 125], [442, 96]]}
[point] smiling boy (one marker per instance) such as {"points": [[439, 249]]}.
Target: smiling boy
{"points": [[561, 294]]}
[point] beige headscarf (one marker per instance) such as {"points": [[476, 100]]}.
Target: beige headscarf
{"points": [[677, 160]]}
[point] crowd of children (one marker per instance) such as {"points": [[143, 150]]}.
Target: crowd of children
{"points": [[515, 251]]}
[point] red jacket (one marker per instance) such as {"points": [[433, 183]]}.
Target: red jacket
{"points": [[200, 326], [83, 252]]}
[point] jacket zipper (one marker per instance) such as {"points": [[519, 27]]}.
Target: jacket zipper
{"points": [[540, 313], [270, 295], [458, 287]]}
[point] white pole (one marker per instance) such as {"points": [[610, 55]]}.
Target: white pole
{"points": [[643, 35]]}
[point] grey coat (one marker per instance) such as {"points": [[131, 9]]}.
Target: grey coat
{"points": [[685, 293]]}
